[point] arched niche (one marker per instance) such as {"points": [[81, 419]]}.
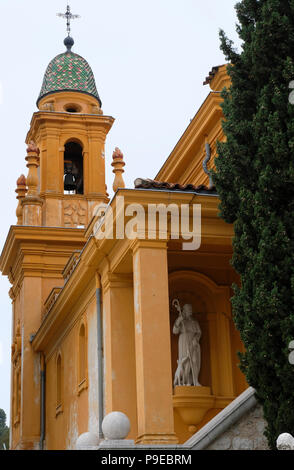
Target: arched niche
{"points": [[82, 356], [59, 371], [212, 308]]}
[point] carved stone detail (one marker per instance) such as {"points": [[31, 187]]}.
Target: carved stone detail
{"points": [[47, 106], [75, 213], [16, 345], [16, 363]]}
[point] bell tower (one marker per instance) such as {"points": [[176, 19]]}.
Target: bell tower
{"points": [[70, 131]]}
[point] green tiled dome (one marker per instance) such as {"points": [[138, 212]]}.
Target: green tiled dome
{"points": [[69, 72]]}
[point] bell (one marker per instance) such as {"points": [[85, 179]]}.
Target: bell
{"points": [[70, 182]]}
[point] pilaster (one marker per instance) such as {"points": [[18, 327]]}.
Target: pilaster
{"points": [[119, 346], [152, 340]]}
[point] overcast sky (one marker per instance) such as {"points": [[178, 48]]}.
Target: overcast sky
{"points": [[149, 58]]}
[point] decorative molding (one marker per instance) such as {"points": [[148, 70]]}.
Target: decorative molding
{"points": [[71, 264], [51, 299], [137, 244]]}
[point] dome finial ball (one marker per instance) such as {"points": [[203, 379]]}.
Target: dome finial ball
{"points": [[68, 42]]}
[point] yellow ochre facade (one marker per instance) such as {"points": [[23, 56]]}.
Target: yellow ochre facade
{"points": [[93, 315]]}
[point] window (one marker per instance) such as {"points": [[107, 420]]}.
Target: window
{"points": [[59, 384], [72, 108], [17, 401], [17, 396], [82, 360]]}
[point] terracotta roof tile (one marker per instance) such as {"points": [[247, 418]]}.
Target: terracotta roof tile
{"points": [[212, 74], [141, 183]]}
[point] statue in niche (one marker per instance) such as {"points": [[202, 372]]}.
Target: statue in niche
{"points": [[189, 352]]}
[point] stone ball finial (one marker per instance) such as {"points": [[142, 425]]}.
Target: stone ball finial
{"points": [[116, 425], [87, 441], [285, 442], [291, 355], [117, 154]]}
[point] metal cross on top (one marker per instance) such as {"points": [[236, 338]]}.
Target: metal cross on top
{"points": [[68, 16]]}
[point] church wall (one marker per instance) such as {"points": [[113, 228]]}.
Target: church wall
{"points": [[26, 425], [29, 295], [78, 411]]}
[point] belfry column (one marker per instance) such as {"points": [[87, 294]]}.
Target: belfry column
{"points": [[152, 341]]}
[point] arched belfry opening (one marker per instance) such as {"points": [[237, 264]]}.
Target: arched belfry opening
{"points": [[73, 169]]}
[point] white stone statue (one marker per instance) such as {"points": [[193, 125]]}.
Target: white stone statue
{"points": [[189, 356]]}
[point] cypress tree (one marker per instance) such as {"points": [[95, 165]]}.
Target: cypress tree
{"points": [[255, 181], [4, 431]]}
